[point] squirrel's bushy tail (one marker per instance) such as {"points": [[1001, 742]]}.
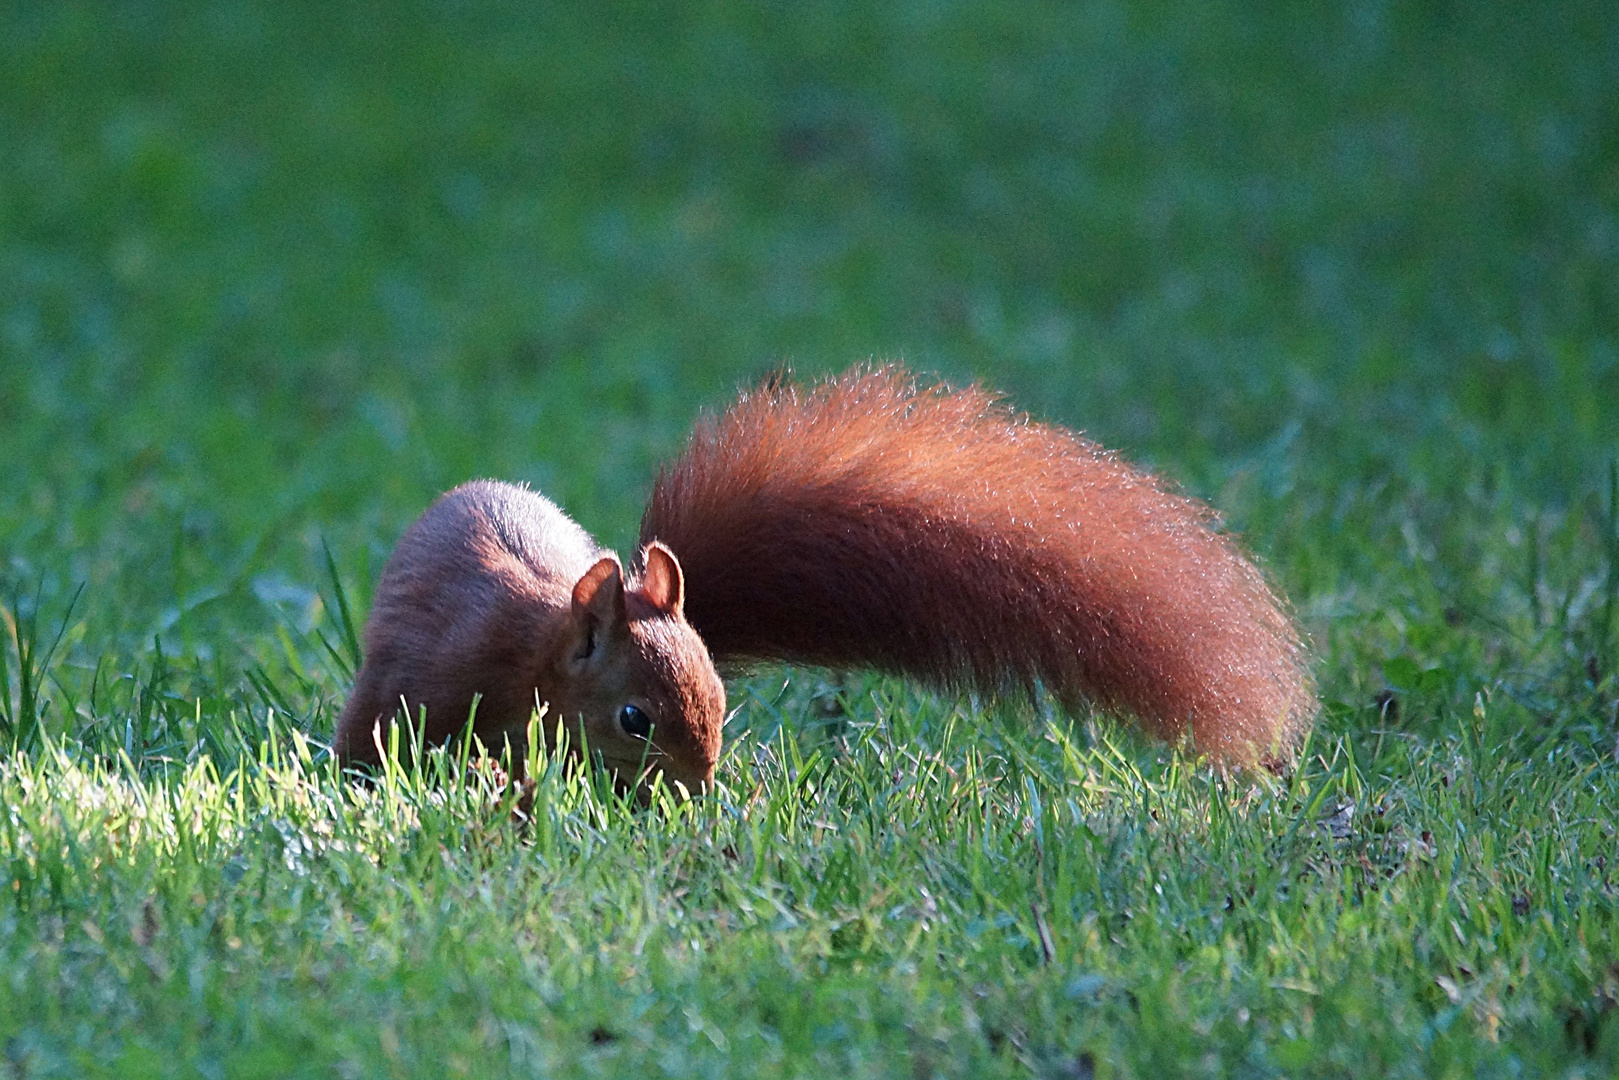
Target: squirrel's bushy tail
{"points": [[935, 532]]}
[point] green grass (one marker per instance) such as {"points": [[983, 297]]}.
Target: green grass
{"points": [[273, 275]]}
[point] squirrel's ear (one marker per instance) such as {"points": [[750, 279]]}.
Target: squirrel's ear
{"points": [[663, 584], [600, 592]]}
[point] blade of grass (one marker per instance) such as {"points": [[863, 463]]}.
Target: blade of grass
{"points": [[350, 638]]}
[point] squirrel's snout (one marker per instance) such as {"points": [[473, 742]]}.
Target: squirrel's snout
{"points": [[696, 782], [685, 784], [692, 777]]}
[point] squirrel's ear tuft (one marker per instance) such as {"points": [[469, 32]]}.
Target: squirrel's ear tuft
{"points": [[600, 592], [663, 584]]}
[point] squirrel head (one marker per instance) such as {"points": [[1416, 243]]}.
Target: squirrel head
{"points": [[636, 675]]}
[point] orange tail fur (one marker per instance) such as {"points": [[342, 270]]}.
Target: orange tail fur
{"points": [[937, 533]]}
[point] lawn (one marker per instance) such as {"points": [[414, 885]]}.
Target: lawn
{"points": [[273, 275]]}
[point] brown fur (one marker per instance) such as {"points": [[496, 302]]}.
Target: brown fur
{"points": [[938, 534], [495, 592]]}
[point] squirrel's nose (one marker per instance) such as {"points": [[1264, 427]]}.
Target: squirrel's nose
{"points": [[695, 781]]}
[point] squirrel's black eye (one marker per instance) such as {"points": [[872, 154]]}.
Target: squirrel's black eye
{"points": [[634, 721]]}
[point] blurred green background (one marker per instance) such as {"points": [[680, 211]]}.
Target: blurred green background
{"points": [[273, 273]]}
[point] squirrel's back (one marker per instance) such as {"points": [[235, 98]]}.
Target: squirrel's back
{"points": [[466, 604], [936, 533]]}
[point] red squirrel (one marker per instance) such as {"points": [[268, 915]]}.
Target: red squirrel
{"points": [[867, 521], [495, 597]]}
